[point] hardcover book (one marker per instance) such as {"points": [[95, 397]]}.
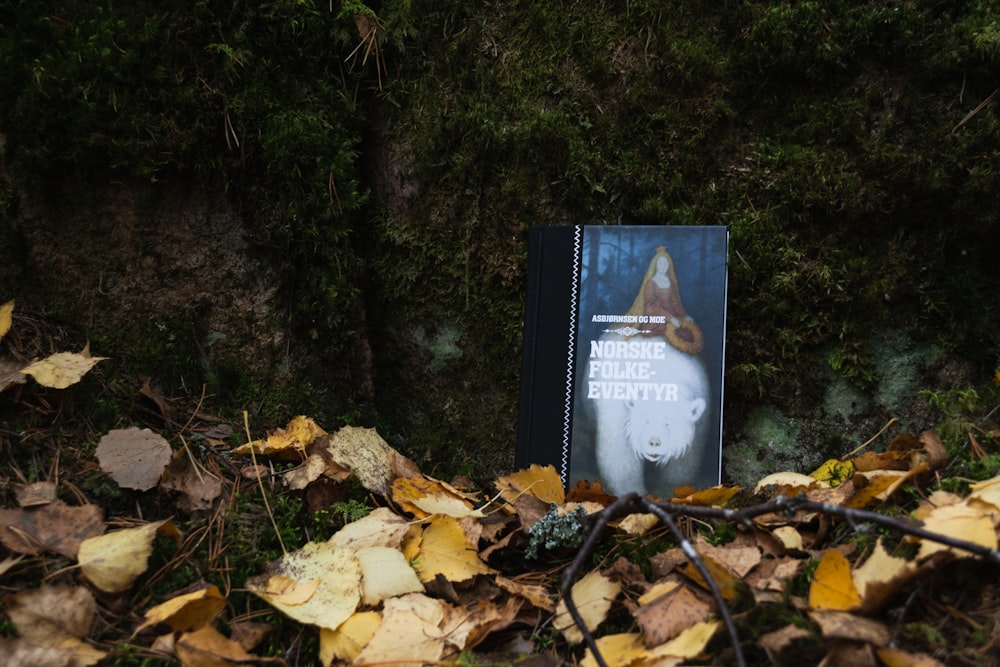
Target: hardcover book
{"points": [[624, 347]]}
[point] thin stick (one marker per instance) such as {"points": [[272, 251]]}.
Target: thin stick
{"points": [[870, 440], [260, 482]]}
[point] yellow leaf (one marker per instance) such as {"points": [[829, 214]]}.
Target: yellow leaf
{"points": [[638, 525], [379, 528], [346, 642], [881, 576], [424, 497], [832, 585], [689, 643], [61, 369], [334, 599], [894, 657], [208, 647], [187, 612], [410, 633], [962, 521], [833, 471], [790, 537], [113, 561], [445, 550], [593, 596], [790, 480], [617, 650], [287, 592], [385, 574], [288, 443], [716, 496], [6, 317], [543, 483]]}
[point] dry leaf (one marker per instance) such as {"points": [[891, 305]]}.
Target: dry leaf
{"points": [[832, 584], [135, 458], [894, 657], [34, 494], [790, 483], [385, 574], [410, 633], [689, 644], [542, 482], [208, 647], [288, 444], [336, 596], [593, 596], [370, 458], [10, 374], [188, 612], [841, 625], [669, 614], [114, 561], [197, 489], [62, 369], [619, 650], [379, 528], [346, 642], [962, 521], [56, 617], [881, 577], [424, 497], [445, 550], [54, 527], [6, 317]]}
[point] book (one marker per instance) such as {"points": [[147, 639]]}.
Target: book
{"points": [[623, 356]]}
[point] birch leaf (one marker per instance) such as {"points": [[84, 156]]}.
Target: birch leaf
{"points": [[135, 458], [113, 562], [62, 369], [593, 596]]}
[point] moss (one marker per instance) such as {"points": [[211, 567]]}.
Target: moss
{"points": [[770, 442]]}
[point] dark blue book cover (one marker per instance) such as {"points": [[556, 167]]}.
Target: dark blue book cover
{"points": [[624, 348]]}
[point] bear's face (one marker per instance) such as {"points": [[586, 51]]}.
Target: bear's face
{"points": [[659, 431]]}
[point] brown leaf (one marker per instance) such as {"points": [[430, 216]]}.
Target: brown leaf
{"points": [[842, 625], [135, 458], [368, 456], [207, 647], [53, 527], [188, 612], [663, 616], [10, 374], [198, 489], [36, 493]]}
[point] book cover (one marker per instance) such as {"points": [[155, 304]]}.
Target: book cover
{"points": [[624, 348]]}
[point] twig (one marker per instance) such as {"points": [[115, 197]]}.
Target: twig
{"points": [[665, 511]]}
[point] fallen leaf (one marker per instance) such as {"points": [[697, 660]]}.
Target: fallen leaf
{"points": [[667, 615], [962, 521], [22, 653], [336, 596], [716, 496], [379, 528], [385, 574], [832, 585], [347, 641], [842, 625], [789, 483], [10, 374], [409, 634], [638, 525], [620, 650], [369, 458], [593, 595], [135, 458], [207, 647], [6, 317], [881, 577], [445, 550], [62, 369], [543, 483], [894, 657], [113, 562], [688, 644], [287, 443], [188, 612], [54, 527], [56, 617], [47, 615], [425, 497], [197, 489], [36, 493]]}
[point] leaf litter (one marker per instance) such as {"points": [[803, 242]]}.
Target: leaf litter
{"points": [[437, 573]]}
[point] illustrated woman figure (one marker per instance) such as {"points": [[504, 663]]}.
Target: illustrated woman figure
{"points": [[660, 300]]}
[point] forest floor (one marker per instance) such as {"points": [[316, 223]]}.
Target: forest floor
{"points": [[176, 537]]}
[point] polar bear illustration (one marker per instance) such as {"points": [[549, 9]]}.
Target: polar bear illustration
{"points": [[653, 428]]}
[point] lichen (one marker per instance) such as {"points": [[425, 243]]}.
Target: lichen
{"points": [[555, 530]]}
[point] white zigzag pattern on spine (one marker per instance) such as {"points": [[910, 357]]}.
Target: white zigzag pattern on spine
{"points": [[567, 426]]}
